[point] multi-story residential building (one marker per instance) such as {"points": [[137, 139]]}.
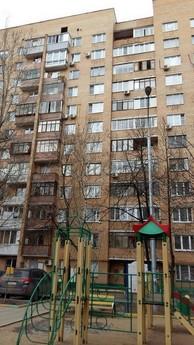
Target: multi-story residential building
{"points": [[80, 135]]}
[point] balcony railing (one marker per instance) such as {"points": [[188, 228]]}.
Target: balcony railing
{"points": [[15, 200], [10, 223], [34, 47], [58, 42], [56, 64], [52, 177], [8, 249], [17, 178], [36, 250]]}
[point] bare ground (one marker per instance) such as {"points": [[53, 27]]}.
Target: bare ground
{"points": [[155, 336]]}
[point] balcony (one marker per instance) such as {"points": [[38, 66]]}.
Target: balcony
{"points": [[15, 200], [10, 223], [46, 157], [20, 148], [40, 224], [17, 178], [34, 47], [58, 42], [56, 65], [8, 249], [30, 84], [43, 200], [25, 114], [36, 250], [52, 177]]}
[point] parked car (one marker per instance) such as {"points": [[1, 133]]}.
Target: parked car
{"points": [[2, 273], [23, 281]]}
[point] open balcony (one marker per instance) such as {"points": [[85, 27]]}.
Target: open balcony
{"points": [[9, 249], [36, 250], [58, 42], [46, 157]]}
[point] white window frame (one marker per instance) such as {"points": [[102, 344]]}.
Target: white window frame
{"points": [[175, 99], [95, 127], [99, 38], [171, 43], [170, 26], [175, 119], [173, 79], [179, 218]]}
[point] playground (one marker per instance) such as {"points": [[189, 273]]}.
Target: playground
{"points": [[80, 307]]}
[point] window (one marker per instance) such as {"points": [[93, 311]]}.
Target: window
{"points": [[122, 239], [52, 89], [122, 105], [127, 213], [67, 169], [68, 149], [72, 110], [123, 68], [144, 31], [41, 189], [35, 42], [4, 154], [66, 192], [122, 189], [51, 107], [97, 107], [96, 89], [31, 74], [28, 131], [75, 57], [98, 54], [76, 41], [98, 38], [92, 214], [170, 26], [181, 188], [75, 74], [172, 60], [176, 99], [97, 71], [94, 147], [171, 43], [137, 84], [93, 169], [133, 123], [19, 148], [11, 116], [175, 141], [120, 145], [126, 166], [95, 240], [18, 169], [182, 214], [185, 272], [73, 91], [192, 23], [92, 192], [70, 129], [184, 242], [178, 164], [134, 49], [175, 119], [56, 58], [61, 216], [7, 237], [47, 146], [174, 79], [95, 127], [49, 126]]}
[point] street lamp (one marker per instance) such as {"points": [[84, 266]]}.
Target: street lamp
{"points": [[148, 91]]}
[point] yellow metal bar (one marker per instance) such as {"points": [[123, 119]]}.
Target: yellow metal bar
{"points": [[65, 279], [78, 297], [87, 293], [140, 294], [167, 294], [184, 322]]}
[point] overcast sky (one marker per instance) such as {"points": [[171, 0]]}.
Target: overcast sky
{"points": [[18, 12]]}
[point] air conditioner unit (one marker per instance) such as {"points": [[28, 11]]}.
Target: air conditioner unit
{"points": [[127, 93], [115, 175], [88, 55], [66, 116], [73, 116], [16, 214], [166, 68], [48, 262], [72, 64], [168, 127]]}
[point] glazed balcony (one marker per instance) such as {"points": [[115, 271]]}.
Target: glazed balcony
{"points": [[36, 250], [25, 114], [10, 223], [20, 148], [17, 178], [34, 47], [47, 157], [15, 200]]}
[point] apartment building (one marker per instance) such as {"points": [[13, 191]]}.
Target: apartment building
{"points": [[79, 121]]}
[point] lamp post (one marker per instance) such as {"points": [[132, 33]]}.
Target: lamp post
{"points": [[148, 91]]}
